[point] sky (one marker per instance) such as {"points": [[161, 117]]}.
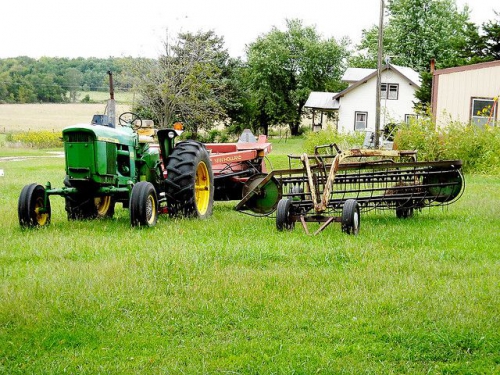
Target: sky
{"points": [[137, 28]]}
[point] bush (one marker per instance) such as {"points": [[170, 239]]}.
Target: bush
{"points": [[478, 148], [420, 135], [37, 139], [86, 99]]}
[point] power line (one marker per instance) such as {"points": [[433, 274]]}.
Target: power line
{"points": [[91, 88]]}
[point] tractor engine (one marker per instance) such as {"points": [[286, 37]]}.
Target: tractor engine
{"points": [[98, 156]]}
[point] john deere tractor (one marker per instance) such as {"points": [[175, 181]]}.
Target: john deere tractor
{"points": [[130, 164]]}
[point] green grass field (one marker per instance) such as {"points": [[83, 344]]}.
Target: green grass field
{"points": [[231, 295]]}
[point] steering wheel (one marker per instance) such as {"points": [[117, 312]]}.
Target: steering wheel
{"points": [[130, 119]]}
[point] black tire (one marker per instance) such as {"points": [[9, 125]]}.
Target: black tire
{"points": [[404, 210], [80, 207], [143, 205], [190, 181], [283, 220], [83, 207], [351, 219], [30, 207]]}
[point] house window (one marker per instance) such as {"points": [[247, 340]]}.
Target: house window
{"points": [[389, 91], [409, 118], [484, 111], [360, 120]]}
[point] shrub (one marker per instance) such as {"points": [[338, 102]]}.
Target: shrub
{"points": [[478, 148], [86, 99], [37, 139], [420, 135]]}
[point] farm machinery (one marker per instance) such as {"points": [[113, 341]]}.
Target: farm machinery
{"points": [[334, 186], [143, 169]]}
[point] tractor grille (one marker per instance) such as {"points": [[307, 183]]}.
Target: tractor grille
{"points": [[79, 137], [111, 158]]}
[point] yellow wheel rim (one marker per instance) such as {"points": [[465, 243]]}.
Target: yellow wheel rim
{"points": [[102, 204], [41, 218], [151, 210], [202, 188]]}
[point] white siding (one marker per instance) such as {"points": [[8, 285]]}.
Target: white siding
{"points": [[456, 89], [362, 99]]}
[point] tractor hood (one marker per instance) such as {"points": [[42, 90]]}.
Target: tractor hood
{"points": [[122, 135]]}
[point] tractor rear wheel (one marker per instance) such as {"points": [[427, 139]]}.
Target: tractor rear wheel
{"points": [[143, 205], [190, 181], [283, 220], [80, 208], [83, 206], [350, 217], [31, 208], [105, 206], [87, 208]]}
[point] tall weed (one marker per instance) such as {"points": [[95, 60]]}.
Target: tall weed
{"points": [[478, 148], [36, 139]]}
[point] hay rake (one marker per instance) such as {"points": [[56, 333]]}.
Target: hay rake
{"points": [[334, 186]]}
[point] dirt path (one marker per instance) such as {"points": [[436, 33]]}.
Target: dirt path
{"points": [[50, 154]]}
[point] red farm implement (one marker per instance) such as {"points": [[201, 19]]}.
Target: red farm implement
{"points": [[234, 164], [334, 186]]}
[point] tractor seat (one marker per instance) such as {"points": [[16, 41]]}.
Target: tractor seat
{"points": [[146, 132]]}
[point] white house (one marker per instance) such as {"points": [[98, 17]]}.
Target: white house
{"points": [[467, 94], [355, 106]]}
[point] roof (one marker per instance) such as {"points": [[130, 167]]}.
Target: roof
{"points": [[464, 68], [411, 75], [322, 100], [356, 74]]}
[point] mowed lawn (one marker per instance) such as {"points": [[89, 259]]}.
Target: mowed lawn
{"points": [[231, 295]]}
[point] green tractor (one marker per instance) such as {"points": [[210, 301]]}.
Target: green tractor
{"points": [[130, 164]]}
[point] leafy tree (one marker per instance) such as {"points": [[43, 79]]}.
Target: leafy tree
{"points": [[285, 66], [417, 31], [186, 82], [423, 30], [236, 102], [73, 79], [492, 35]]}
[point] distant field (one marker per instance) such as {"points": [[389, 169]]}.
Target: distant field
{"points": [[24, 117]]}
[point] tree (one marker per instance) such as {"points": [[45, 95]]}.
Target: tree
{"points": [[418, 31], [285, 66], [492, 37], [423, 30], [186, 82], [73, 78]]}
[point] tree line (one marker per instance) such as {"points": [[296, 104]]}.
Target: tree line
{"points": [[194, 80], [56, 80]]}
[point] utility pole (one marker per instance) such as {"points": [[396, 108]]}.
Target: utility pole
{"points": [[379, 73]]}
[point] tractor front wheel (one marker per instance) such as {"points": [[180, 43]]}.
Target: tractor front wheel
{"points": [[143, 205], [33, 208], [190, 182], [350, 217]]}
